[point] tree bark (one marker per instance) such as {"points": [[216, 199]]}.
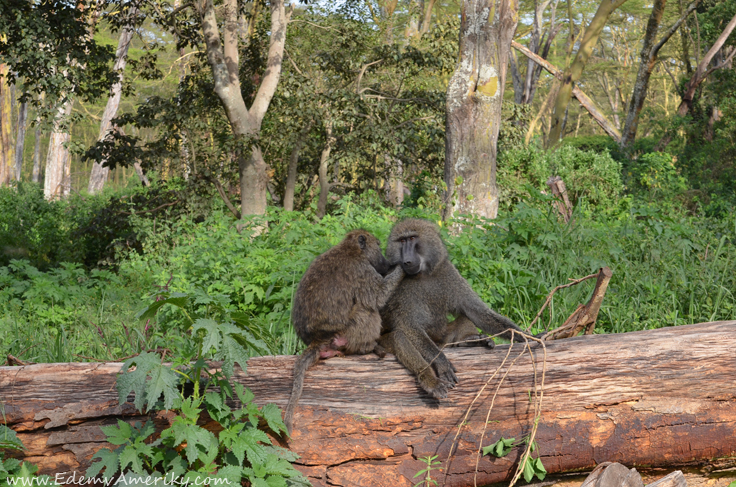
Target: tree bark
{"points": [[291, 174], [99, 173], [57, 155], [474, 100], [36, 176], [223, 58], [702, 71], [535, 45], [575, 70], [7, 160], [648, 60], [324, 182], [661, 398], [701, 74], [20, 139]]}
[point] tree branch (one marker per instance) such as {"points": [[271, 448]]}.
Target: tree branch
{"points": [[279, 21], [225, 198], [584, 99], [666, 37]]}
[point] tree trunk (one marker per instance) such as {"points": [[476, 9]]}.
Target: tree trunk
{"points": [[224, 60], [58, 154], [20, 139], [324, 182], [648, 60], [99, 173], [661, 398], [141, 175], [7, 160], [573, 73], [474, 99], [394, 185], [291, 174], [702, 71], [36, 176], [584, 99]]}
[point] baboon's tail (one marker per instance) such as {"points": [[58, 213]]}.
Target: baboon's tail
{"points": [[308, 358]]}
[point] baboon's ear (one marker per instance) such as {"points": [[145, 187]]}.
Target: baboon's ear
{"points": [[361, 242]]}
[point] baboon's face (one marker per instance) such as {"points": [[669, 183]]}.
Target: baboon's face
{"points": [[416, 246], [371, 248], [411, 256]]}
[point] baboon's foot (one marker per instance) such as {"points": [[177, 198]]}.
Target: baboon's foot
{"points": [[474, 341]]}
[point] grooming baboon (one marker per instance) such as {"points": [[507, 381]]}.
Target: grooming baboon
{"points": [[336, 305], [415, 317]]}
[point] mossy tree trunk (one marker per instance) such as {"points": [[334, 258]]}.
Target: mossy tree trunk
{"points": [[474, 100]]}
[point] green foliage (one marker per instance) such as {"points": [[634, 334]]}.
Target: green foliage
{"points": [[432, 464], [590, 177], [186, 451], [657, 174], [35, 229], [47, 44], [501, 448], [532, 466], [92, 230], [207, 270], [14, 469]]}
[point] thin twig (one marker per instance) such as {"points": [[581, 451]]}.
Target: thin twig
{"points": [[467, 413], [490, 408], [537, 408], [549, 297]]}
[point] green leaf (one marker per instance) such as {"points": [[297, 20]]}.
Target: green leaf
{"points": [[8, 439], [118, 435], [272, 415], [109, 460], [201, 444], [135, 380], [176, 299], [501, 448], [163, 381], [541, 472], [528, 470]]}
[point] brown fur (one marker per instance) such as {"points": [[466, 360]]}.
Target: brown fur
{"points": [[336, 305], [415, 317]]}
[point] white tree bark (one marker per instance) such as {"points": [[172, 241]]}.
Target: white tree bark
{"points": [[99, 174], [20, 139], [57, 155], [223, 58], [7, 161]]}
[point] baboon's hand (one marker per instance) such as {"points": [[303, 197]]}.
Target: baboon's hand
{"points": [[446, 372], [437, 388]]}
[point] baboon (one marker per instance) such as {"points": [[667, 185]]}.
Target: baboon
{"points": [[415, 317], [336, 305]]}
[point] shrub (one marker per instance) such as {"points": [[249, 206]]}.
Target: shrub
{"points": [[589, 176]]}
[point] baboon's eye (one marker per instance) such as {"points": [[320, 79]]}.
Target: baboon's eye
{"points": [[412, 238], [402, 240]]}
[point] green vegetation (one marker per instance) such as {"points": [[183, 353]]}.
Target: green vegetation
{"points": [[670, 267]]}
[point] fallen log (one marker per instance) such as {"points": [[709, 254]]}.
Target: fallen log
{"points": [[655, 398]]}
